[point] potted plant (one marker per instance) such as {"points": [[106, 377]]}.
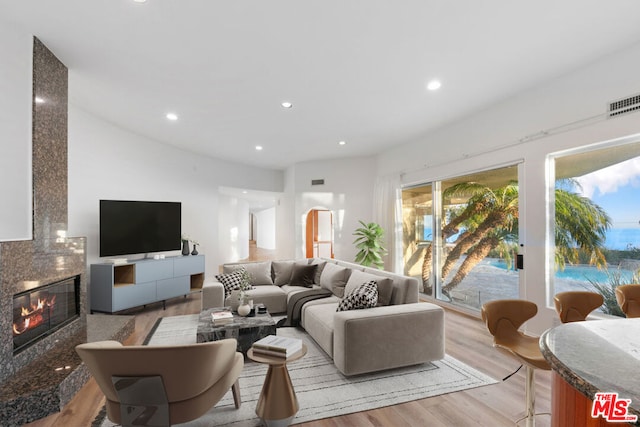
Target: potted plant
{"points": [[368, 241]]}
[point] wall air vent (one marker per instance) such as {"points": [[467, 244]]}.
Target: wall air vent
{"points": [[623, 106], [317, 182]]}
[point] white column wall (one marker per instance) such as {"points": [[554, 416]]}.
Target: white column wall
{"points": [[16, 51], [266, 228]]}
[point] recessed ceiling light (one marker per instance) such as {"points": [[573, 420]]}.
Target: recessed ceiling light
{"points": [[434, 85], [140, 1], [244, 191], [172, 116], [342, 142], [286, 104], [39, 100], [258, 147]]}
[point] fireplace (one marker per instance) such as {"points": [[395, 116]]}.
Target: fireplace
{"points": [[40, 311]]}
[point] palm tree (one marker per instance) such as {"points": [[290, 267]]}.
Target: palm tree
{"points": [[490, 218]]}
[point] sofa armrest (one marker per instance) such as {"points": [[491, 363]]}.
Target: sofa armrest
{"points": [[212, 295], [387, 337]]}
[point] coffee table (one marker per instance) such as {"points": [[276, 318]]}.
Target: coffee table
{"points": [[277, 404], [246, 330]]}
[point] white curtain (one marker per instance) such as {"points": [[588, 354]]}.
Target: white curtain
{"points": [[387, 211]]}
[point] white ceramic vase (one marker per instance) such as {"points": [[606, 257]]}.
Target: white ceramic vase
{"points": [[244, 309]]}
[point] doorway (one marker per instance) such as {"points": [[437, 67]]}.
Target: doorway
{"points": [[319, 234]]}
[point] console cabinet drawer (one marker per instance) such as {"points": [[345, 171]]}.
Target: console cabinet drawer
{"points": [[188, 265], [169, 288], [133, 295], [151, 270], [114, 288]]}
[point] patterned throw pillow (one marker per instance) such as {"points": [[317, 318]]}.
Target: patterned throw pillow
{"points": [[230, 281], [364, 296]]}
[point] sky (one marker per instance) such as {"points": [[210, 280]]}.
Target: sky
{"points": [[617, 190]]}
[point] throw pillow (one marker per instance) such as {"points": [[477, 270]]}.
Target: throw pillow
{"points": [[364, 296], [282, 271], [230, 281], [320, 263], [385, 285], [303, 275], [260, 272], [334, 278]]}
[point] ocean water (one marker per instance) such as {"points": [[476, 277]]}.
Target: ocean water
{"points": [[616, 238]]}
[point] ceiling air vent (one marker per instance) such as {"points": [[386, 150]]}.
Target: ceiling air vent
{"points": [[623, 106], [317, 182]]}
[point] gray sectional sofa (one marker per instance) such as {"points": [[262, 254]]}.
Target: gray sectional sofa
{"points": [[399, 331]]}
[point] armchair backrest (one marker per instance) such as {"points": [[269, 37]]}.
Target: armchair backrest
{"points": [[504, 317], [628, 297], [575, 306], [186, 370]]}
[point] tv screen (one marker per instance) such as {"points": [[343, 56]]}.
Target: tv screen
{"points": [[135, 227]]}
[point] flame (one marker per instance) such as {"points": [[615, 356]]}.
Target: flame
{"points": [[33, 316]]}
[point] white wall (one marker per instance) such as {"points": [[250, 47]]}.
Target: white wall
{"points": [[233, 228], [265, 228], [347, 191], [107, 162], [16, 51], [495, 132]]}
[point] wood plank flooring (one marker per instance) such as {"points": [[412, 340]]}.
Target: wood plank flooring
{"points": [[466, 339]]}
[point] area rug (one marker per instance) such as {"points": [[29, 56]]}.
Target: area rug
{"points": [[321, 389]]}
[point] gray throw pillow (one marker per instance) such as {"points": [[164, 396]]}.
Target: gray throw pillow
{"points": [[364, 296], [303, 275], [334, 278], [260, 272], [384, 284], [320, 263]]}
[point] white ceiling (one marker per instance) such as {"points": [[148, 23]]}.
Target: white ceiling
{"points": [[355, 70]]}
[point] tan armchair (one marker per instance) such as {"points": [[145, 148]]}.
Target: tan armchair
{"points": [[628, 297], [163, 385]]}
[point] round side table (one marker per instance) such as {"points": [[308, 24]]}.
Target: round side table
{"points": [[278, 404]]}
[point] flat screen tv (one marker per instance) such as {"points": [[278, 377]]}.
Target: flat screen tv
{"points": [[135, 227]]}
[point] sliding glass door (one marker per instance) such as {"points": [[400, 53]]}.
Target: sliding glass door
{"points": [[461, 236]]}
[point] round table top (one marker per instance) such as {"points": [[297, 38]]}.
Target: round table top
{"points": [[275, 360], [597, 356]]}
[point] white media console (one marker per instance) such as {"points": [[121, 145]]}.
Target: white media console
{"points": [[116, 287]]}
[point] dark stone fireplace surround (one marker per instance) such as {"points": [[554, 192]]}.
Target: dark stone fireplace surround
{"points": [[41, 379]]}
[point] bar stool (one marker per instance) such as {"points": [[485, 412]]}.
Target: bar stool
{"points": [[503, 319], [575, 306], [628, 297]]}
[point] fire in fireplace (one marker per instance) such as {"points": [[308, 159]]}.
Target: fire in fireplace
{"points": [[40, 311]]}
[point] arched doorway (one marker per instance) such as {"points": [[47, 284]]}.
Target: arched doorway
{"points": [[319, 234]]}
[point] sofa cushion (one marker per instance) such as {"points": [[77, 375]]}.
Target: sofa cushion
{"points": [[231, 281], [320, 263], [364, 296], [384, 285], [334, 278], [260, 272], [317, 320], [303, 275], [273, 297], [281, 271]]}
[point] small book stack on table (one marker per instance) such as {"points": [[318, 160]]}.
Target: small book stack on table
{"points": [[276, 346], [221, 317]]}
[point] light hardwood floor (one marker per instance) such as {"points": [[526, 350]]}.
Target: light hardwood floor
{"points": [[466, 339]]}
